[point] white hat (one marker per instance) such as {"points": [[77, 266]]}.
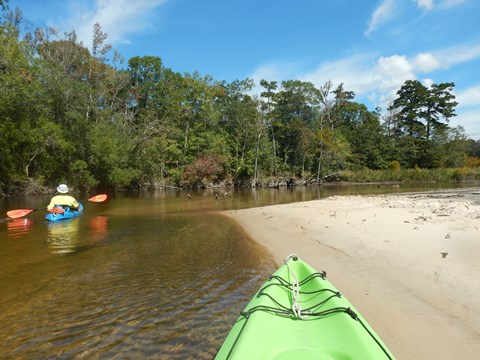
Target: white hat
{"points": [[62, 189]]}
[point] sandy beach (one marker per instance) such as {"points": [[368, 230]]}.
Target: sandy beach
{"points": [[410, 263]]}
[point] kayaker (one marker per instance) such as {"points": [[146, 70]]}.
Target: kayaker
{"points": [[59, 201]]}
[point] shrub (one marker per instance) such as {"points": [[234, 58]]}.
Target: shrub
{"points": [[394, 166], [203, 170], [472, 161]]}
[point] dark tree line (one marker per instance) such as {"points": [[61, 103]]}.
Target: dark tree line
{"points": [[88, 118]]}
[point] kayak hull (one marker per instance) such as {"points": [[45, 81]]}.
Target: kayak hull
{"points": [[298, 314], [68, 214]]}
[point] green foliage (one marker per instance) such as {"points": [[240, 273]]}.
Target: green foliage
{"points": [[123, 177], [411, 175], [111, 149], [362, 129], [67, 114], [81, 177], [420, 123], [394, 166]]}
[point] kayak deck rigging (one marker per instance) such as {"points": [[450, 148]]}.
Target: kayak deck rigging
{"points": [[286, 309]]}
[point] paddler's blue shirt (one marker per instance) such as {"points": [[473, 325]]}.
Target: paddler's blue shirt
{"points": [[64, 200]]}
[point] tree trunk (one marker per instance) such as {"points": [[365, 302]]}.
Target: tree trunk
{"points": [[255, 171]]}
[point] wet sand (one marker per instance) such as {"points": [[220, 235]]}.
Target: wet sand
{"points": [[410, 263]]}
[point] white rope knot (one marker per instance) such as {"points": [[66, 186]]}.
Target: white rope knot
{"points": [[296, 308]]}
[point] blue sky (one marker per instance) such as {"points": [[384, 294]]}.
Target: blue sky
{"points": [[371, 46]]}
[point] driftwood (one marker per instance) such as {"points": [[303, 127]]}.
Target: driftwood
{"points": [[332, 174]]}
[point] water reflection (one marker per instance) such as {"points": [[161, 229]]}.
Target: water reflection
{"points": [[68, 236], [19, 227], [98, 228], [63, 236]]}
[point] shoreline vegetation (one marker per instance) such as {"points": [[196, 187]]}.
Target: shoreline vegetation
{"points": [[83, 115], [408, 262], [381, 177]]}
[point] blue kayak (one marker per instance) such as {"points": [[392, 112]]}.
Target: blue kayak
{"points": [[68, 214]]}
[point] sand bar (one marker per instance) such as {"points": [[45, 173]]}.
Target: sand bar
{"points": [[410, 263]]}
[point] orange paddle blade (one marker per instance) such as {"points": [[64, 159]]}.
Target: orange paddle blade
{"points": [[14, 214], [98, 198]]}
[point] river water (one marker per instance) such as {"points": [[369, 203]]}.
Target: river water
{"points": [[150, 275]]}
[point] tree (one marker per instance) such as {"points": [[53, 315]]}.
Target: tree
{"points": [[97, 68], [200, 118], [297, 107], [473, 148], [419, 112], [63, 69], [21, 102], [146, 73], [267, 108], [449, 148], [4, 5], [67, 111], [242, 124], [421, 109], [331, 143], [364, 132]]}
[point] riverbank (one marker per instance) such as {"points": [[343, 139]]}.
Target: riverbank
{"points": [[410, 263]]}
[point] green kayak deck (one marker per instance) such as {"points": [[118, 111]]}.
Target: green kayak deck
{"points": [[298, 314]]}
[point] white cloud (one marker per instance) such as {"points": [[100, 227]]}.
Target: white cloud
{"points": [[468, 111], [354, 72], [376, 80], [118, 18], [393, 70], [274, 72], [470, 121], [389, 73], [425, 4], [458, 54], [426, 62], [367, 76], [446, 4], [379, 77], [445, 58], [428, 82], [469, 97], [380, 16]]}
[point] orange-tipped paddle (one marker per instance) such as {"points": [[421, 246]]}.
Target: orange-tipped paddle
{"points": [[98, 198], [14, 214]]}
